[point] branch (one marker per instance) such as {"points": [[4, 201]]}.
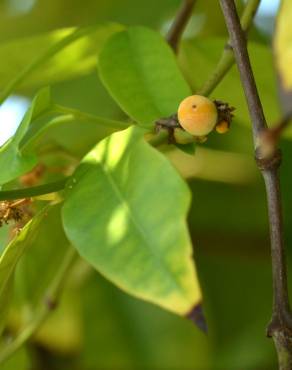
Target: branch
{"points": [[280, 327], [45, 307], [269, 138], [179, 24], [227, 58], [278, 129], [34, 190]]}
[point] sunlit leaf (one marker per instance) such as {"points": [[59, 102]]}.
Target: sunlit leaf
{"points": [[65, 59], [13, 163], [140, 72], [109, 216]]}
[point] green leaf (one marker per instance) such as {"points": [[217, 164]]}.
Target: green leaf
{"points": [[283, 44], [10, 258], [125, 213], [63, 127], [13, 162], [139, 70], [53, 56]]}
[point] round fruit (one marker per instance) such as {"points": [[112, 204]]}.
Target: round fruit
{"points": [[197, 115], [222, 127]]}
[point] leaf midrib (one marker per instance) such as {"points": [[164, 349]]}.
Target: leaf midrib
{"points": [[117, 191]]}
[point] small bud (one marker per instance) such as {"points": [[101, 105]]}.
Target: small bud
{"points": [[222, 127]]}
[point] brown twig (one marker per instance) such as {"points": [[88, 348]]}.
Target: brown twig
{"points": [[269, 138], [278, 129], [177, 28], [280, 327]]}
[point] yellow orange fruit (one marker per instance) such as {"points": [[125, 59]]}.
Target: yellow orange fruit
{"points": [[222, 127], [197, 115]]}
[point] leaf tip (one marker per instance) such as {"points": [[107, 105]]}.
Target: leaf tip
{"points": [[196, 315]]}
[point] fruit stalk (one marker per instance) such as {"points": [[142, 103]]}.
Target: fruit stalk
{"points": [[226, 60], [179, 24]]}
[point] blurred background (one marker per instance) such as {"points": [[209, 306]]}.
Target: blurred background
{"points": [[97, 326]]}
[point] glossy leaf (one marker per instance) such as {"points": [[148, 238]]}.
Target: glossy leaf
{"points": [[110, 215], [13, 162], [139, 70], [10, 258], [67, 53], [283, 44]]}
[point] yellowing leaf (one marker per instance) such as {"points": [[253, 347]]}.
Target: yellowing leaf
{"points": [[125, 212], [283, 44]]}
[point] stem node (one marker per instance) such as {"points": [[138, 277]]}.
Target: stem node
{"points": [[268, 163]]}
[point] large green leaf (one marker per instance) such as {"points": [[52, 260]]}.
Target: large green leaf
{"points": [[57, 55], [10, 258], [125, 213], [140, 72], [283, 44], [13, 163]]}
